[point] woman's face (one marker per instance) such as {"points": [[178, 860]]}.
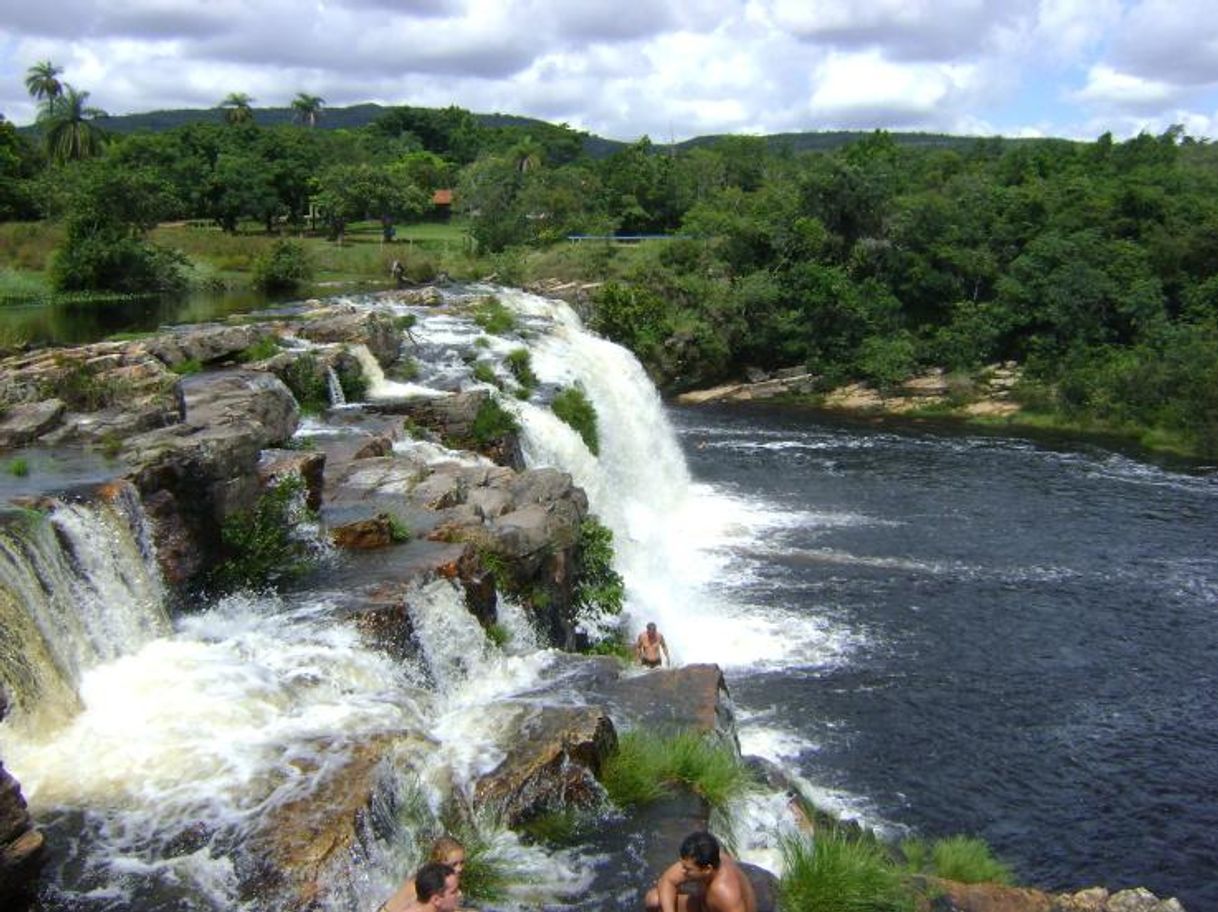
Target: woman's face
{"points": [[456, 861]]}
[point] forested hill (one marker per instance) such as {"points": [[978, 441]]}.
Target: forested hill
{"points": [[361, 115]]}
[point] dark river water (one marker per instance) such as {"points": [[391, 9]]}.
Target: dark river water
{"points": [[1039, 630]]}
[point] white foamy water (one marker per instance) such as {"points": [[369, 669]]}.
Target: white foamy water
{"points": [[673, 539]]}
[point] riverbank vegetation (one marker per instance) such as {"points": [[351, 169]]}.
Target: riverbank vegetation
{"points": [[646, 766], [1093, 265]]}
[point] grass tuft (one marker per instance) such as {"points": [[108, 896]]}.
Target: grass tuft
{"points": [[646, 766], [968, 860], [832, 873]]}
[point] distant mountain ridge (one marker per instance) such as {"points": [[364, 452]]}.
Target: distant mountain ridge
{"points": [[360, 115]]}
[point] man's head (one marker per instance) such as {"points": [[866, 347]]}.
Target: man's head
{"points": [[651, 628], [700, 855], [435, 886]]}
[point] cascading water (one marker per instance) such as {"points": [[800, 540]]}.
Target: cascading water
{"points": [[195, 731], [334, 388], [79, 587]]}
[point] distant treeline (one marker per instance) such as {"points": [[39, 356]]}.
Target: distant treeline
{"points": [[1094, 265]]}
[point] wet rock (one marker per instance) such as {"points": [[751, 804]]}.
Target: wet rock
{"points": [[989, 897], [26, 422], [309, 466], [674, 699], [354, 326], [552, 761], [305, 839], [21, 846], [364, 534], [207, 343]]}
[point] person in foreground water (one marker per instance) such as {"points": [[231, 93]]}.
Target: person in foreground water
{"points": [[436, 889], [445, 851], [705, 879], [649, 646]]}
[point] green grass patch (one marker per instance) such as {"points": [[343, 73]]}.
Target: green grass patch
{"points": [[306, 378], [646, 766], [520, 364], [573, 407], [967, 860], [189, 366], [18, 468], [835, 873], [498, 635], [485, 373], [398, 531], [494, 317], [266, 347]]}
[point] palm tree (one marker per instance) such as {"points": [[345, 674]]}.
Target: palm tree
{"points": [[527, 155], [238, 110], [42, 81], [69, 126], [307, 108]]}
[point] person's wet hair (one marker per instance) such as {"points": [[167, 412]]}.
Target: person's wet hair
{"points": [[430, 880], [701, 848]]}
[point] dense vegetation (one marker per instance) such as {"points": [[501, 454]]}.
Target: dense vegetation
{"points": [[1092, 265]]}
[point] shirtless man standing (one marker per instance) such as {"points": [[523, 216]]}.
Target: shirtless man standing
{"points": [[647, 647], [704, 880]]}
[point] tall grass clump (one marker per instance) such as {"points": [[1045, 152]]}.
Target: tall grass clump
{"points": [[492, 422], [967, 860], [574, 408], [520, 364], [834, 873], [646, 766]]}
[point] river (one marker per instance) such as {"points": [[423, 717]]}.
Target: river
{"points": [[1026, 638]]}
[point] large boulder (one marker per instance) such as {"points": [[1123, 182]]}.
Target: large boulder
{"points": [[553, 759], [27, 421], [209, 343], [195, 474]]}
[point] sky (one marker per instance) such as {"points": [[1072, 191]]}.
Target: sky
{"points": [[670, 70]]}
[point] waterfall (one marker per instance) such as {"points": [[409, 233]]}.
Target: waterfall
{"points": [[79, 586], [334, 388], [380, 387], [669, 533]]}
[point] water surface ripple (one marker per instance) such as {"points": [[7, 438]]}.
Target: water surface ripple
{"points": [[1039, 630]]}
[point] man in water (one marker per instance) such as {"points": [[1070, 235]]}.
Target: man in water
{"points": [[436, 889], [648, 647], [704, 880]]}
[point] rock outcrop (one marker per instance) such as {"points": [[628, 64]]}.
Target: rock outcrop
{"points": [[21, 847]]}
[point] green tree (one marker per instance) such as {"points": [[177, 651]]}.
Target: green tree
{"points": [[238, 108], [70, 127], [109, 211], [307, 108], [42, 81], [350, 192]]}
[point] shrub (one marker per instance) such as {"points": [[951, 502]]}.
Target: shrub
{"points": [[285, 267], [351, 378], [497, 635], [260, 544], [19, 467], [398, 530], [645, 766], [833, 873], [306, 378], [573, 406], [600, 590], [405, 369], [492, 422], [494, 318]]}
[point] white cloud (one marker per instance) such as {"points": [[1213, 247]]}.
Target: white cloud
{"points": [[685, 67], [1122, 91]]}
